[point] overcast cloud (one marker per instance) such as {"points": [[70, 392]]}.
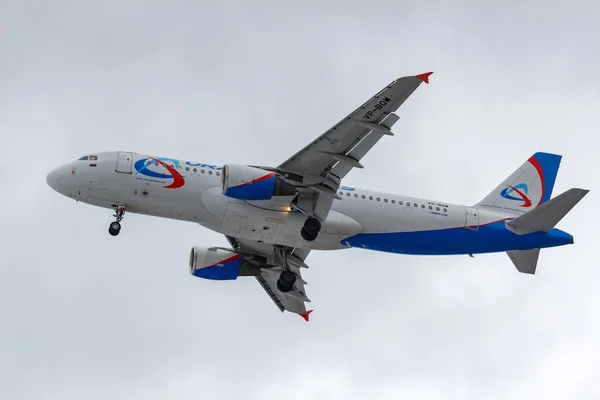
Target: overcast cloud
{"points": [[86, 315]]}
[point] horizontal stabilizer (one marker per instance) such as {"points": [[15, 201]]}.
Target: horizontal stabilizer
{"points": [[525, 260], [547, 215]]}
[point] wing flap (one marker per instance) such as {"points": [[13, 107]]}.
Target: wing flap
{"points": [[293, 301], [270, 292], [358, 152]]}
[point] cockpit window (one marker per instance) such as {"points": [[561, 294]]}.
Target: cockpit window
{"points": [[91, 158]]}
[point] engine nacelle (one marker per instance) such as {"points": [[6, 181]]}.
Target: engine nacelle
{"points": [[250, 183], [219, 264]]}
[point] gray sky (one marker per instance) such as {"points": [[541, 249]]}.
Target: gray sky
{"points": [[86, 315]]}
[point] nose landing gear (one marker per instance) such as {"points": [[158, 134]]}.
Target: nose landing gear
{"points": [[115, 227]]}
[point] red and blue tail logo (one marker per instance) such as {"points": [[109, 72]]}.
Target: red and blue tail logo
{"points": [[517, 193], [527, 187]]}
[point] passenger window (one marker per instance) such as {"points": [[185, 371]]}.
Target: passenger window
{"points": [[341, 193], [210, 172], [408, 204], [422, 205], [187, 168], [195, 170], [378, 199], [363, 196], [348, 194], [393, 201], [445, 210], [370, 197], [218, 173], [385, 200], [400, 203], [179, 168], [431, 208], [437, 209], [415, 205], [202, 170], [355, 195]]}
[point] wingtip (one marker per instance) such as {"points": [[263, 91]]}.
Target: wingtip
{"points": [[425, 76], [306, 314]]}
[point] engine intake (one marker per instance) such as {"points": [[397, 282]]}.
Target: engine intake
{"points": [[218, 264], [243, 182]]}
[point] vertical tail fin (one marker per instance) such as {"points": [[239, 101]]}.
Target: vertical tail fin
{"points": [[527, 187]]}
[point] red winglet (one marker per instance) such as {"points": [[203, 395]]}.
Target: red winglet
{"points": [[306, 314], [424, 77]]}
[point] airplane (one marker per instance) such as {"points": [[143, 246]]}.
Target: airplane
{"points": [[273, 217]]}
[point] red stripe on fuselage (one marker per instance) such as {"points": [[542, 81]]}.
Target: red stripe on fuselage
{"points": [[484, 224]]}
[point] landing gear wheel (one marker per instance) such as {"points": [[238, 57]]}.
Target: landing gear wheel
{"points": [[286, 281], [312, 225], [311, 229], [307, 236], [115, 227]]}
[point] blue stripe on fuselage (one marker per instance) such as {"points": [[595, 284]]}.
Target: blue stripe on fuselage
{"points": [[487, 239]]}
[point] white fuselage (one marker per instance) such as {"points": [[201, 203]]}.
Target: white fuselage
{"points": [[354, 221]]}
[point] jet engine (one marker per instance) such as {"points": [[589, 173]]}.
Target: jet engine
{"points": [[243, 182], [219, 264]]}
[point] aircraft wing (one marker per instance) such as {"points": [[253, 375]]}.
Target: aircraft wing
{"points": [[323, 163], [292, 301]]}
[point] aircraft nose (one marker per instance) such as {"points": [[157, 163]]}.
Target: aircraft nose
{"points": [[54, 178]]}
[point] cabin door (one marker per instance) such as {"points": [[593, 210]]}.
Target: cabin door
{"points": [[124, 160], [471, 218]]}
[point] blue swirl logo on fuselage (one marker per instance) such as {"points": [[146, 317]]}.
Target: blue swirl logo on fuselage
{"points": [[144, 165]]}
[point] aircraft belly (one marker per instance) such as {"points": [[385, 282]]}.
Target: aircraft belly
{"points": [[246, 221]]}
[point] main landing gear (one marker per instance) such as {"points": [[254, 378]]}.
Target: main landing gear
{"points": [[115, 227], [311, 229], [286, 281], [287, 278]]}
